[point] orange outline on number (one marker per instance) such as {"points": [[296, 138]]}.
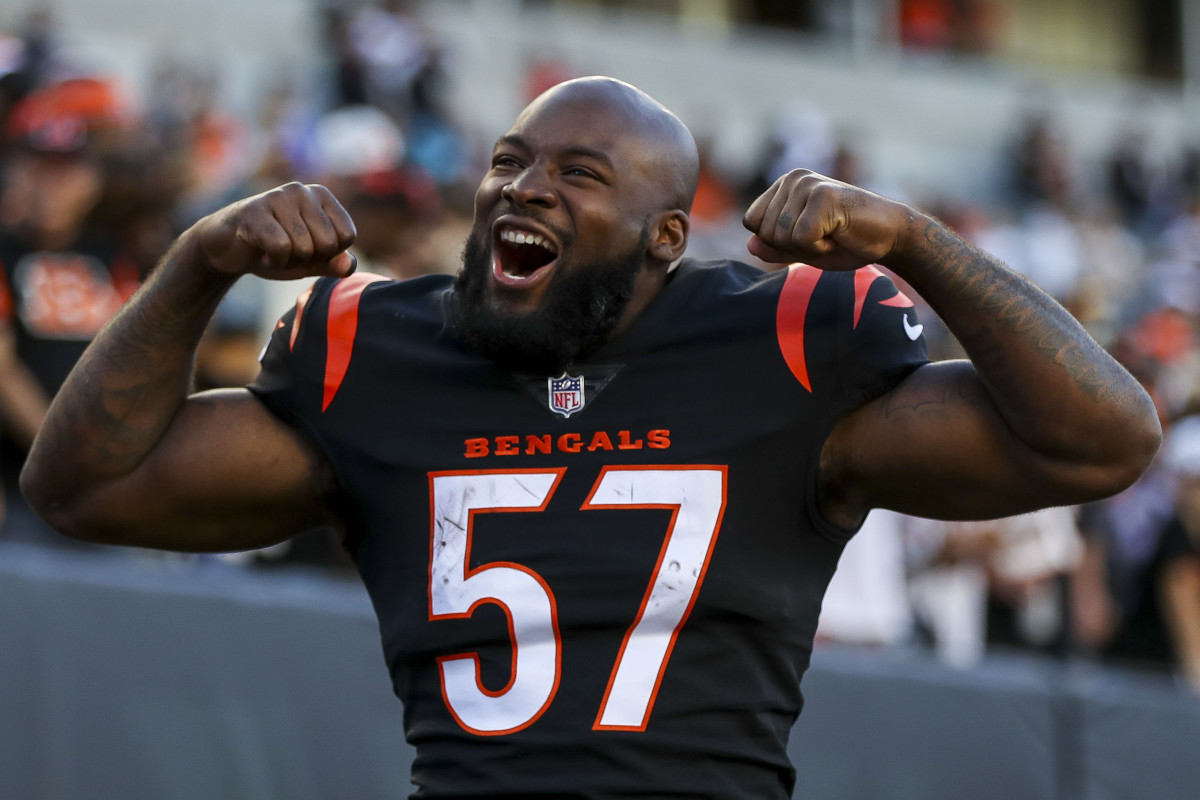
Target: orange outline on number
{"points": [[467, 573]]}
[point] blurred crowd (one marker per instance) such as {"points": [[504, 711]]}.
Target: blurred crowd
{"points": [[95, 183]]}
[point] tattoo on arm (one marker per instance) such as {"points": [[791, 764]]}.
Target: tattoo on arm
{"points": [[1005, 297], [121, 396], [932, 396]]}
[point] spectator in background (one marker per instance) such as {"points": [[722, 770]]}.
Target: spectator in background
{"points": [[392, 51], [1039, 168], [1039, 239], [803, 139], [1148, 191], [215, 148], [866, 603], [14, 79], [997, 582], [1161, 349], [62, 276], [1178, 585], [1138, 601], [1189, 179], [1172, 278], [935, 26], [1115, 615], [349, 83], [27, 59], [359, 154], [1110, 285], [1129, 179]]}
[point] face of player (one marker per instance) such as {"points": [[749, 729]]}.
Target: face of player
{"points": [[561, 234], [567, 188]]}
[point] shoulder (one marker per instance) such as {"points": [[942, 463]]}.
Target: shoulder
{"points": [[367, 297], [795, 284], [340, 330], [857, 324], [712, 291], [381, 288], [332, 314], [720, 276]]}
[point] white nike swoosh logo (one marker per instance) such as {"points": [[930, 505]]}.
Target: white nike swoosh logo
{"points": [[913, 331]]}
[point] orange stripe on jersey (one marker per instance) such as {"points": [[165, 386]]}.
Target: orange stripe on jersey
{"points": [[899, 301], [301, 302], [863, 279], [789, 317], [342, 328]]}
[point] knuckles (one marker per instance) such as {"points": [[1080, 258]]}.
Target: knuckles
{"points": [[291, 227]]}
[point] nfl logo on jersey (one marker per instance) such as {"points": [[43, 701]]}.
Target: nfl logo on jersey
{"points": [[566, 394]]}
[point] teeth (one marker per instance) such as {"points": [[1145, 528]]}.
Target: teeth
{"points": [[522, 237]]}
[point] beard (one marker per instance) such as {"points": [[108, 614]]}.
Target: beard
{"points": [[576, 315]]}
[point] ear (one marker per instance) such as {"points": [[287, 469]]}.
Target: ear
{"points": [[670, 235]]}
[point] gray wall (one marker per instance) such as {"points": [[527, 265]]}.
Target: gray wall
{"points": [[122, 680]]}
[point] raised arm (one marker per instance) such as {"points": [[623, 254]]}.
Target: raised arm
{"points": [[1040, 416], [125, 456]]}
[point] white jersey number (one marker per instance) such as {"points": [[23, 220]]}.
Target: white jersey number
{"points": [[696, 497]]}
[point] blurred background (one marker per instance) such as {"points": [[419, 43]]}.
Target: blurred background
{"points": [[1054, 655]]}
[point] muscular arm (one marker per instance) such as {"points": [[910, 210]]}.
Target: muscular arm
{"points": [[125, 456], [1039, 416]]}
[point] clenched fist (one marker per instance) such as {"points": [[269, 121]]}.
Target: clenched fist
{"points": [[293, 231], [808, 217]]}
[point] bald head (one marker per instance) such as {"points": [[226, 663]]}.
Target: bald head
{"points": [[577, 221], [668, 151]]}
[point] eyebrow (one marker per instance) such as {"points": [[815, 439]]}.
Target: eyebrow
{"points": [[576, 151]]}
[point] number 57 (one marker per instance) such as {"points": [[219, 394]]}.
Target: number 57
{"points": [[696, 497]]}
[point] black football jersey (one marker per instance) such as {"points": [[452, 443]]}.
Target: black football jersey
{"points": [[603, 583]]}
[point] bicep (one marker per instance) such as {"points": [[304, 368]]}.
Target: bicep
{"points": [[227, 475], [936, 446]]}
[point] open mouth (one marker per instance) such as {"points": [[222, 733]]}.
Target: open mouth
{"points": [[521, 254]]}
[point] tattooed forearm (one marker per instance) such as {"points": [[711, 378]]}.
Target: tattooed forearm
{"points": [[981, 299]]}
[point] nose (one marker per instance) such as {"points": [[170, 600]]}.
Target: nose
{"points": [[530, 188]]}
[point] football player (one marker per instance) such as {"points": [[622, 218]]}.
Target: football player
{"points": [[595, 489]]}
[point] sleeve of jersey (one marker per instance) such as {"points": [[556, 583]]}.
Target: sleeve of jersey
{"points": [[286, 378], [848, 336], [882, 340], [305, 363]]}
